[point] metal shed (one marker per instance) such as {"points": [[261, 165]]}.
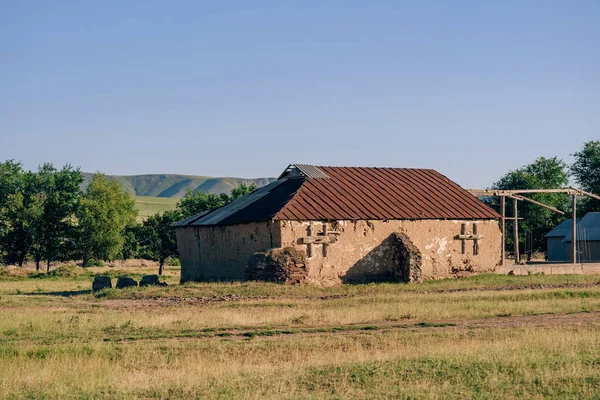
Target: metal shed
{"points": [[555, 241], [588, 239]]}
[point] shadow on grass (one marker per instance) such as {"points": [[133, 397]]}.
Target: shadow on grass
{"points": [[65, 293]]}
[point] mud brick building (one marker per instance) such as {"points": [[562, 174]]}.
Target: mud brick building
{"points": [[331, 225]]}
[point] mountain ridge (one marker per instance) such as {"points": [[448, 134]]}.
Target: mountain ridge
{"points": [[175, 185]]}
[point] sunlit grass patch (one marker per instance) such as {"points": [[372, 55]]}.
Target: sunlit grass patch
{"points": [[482, 337]]}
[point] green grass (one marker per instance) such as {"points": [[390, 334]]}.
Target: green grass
{"points": [[486, 337], [148, 206]]}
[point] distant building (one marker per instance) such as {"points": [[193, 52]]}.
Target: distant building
{"points": [[555, 241], [328, 225], [560, 240], [588, 239]]}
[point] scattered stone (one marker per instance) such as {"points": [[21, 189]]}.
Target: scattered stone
{"points": [[148, 280], [125, 282], [101, 282]]}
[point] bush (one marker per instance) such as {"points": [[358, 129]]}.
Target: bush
{"points": [[95, 263], [173, 262], [66, 271], [13, 273]]}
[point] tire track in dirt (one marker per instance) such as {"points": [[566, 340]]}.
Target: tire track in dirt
{"points": [[174, 301], [539, 320]]}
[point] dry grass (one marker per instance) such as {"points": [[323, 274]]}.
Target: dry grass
{"points": [[483, 337]]}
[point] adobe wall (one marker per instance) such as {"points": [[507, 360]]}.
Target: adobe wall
{"points": [[221, 252], [364, 250]]}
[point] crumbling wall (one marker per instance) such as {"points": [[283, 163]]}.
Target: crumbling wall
{"points": [[215, 253], [406, 259], [287, 265], [366, 250]]}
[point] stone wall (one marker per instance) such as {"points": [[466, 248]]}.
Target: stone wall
{"points": [[221, 252], [367, 250]]}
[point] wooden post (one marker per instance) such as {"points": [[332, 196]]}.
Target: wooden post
{"points": [[516, 232], [503, 228], [325, 245], [463, 245], [475, 241], [574, 234], [309, 246]]}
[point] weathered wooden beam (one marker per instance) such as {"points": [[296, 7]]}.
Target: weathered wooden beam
{"points": [[463, 244], [497, 193], [583, 193], [316, 240], [516, 232], [503, 225], [474, 236], [324, 247], [574, 233], [523, 198], [309, 247]]}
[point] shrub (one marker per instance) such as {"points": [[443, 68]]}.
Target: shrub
{"points": [[66, 271], [173, 262], [95, 263]]}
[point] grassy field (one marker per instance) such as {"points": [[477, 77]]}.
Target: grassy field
{"points": [[151, 205], [488, 337]]}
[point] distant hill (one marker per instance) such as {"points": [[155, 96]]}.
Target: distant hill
{"points": [[175, 186]]}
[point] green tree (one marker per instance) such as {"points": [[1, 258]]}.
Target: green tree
{"points": [[586, 172], [543, 173], [10, 176], [104, 211], [61, 191], [196, 202], [131, 241], [242, 190], [24, 210], [158, 237]]}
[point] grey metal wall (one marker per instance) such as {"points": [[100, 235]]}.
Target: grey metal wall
{"points": [[586, 251], [557, 249]]}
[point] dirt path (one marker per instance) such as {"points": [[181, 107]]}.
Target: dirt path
{"points": [[540, 320], [174, 301]]}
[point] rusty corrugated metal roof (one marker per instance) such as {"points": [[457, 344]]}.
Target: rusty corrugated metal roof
{"points": [[383, 193], [354, 193]]}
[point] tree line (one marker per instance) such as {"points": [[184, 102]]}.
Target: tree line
{"points": [[46, 216], [550, 173]]}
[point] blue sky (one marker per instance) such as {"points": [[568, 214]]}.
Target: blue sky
{"points": [[470, 88]]}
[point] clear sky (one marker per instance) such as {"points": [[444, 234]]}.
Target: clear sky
{"points": [[224, 88]]}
